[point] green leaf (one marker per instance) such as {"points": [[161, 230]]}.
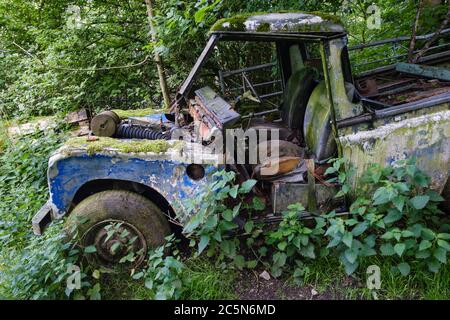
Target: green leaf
{"points": [[308, 251], [445, 236], [402, 187], [236, 209], [360, 228], [234, 191], [399, 248], [419, 202], [258, 204], [193, 223], [252, 264], [424, 244], [239, 261], [404, 268], [399, 202], [115, 246], [247, 186], [148, 283], [204, 241], [96, 274], [227, 225], [351, 255], [330, 170], [424, 254], [228, 247], [228, 215], [428, 234], [90, 249], [392, 216], [434, 196], [349, 267], [347, 239], [387, 249], [443, 244], [441, 255], [248, 227], [279, 259], [211, 221], [282, 245], [434, 265], [407, 234], [381, 196], [199, 16]]}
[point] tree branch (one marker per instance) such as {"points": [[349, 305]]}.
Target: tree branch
{"points": [[412, 43], [427, 45]]}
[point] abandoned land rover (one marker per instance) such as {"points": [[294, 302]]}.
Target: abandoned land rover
{"points": [[305, 102]]}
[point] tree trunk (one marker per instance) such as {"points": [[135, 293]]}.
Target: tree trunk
{"points": [[412, 43], [157, 57]]}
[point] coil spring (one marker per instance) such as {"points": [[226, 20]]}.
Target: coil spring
{"points": [[130, 132]]}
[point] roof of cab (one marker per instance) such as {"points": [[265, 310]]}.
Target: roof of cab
{"points": [[282, 22]]}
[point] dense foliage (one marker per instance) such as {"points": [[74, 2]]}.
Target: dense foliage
{"points": [[395, 217], [56, 56]]}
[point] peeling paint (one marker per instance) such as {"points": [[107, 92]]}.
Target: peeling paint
{"points": [[426, 137]]}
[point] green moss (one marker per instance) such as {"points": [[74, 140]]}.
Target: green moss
{"points": [[237, 22], [126, 146], [263, 27], [124, 114]]}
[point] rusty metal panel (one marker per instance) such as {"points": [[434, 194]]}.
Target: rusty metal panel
{"points": [[284, 194], [424, 71]]}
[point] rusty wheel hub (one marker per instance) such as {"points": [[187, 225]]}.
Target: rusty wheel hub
{"points": [[118, 244]]}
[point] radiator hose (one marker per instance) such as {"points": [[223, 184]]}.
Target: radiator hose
{"points": [[130, 132]]}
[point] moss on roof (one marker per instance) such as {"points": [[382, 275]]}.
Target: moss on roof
{"points": [[124, 114], [126, 146], [282, 21]]}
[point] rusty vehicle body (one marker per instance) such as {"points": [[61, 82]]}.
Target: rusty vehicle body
{"points": [[326, 112]]}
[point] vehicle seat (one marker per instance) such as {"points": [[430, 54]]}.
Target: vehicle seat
{"points": [[320, 143], [298, 89]]}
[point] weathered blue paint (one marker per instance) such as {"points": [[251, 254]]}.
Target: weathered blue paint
{"points": [[168, 177]]}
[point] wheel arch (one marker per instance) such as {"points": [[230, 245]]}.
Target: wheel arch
{"points": [[98, 185]]}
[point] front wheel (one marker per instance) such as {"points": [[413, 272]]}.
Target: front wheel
{"points": [[116, 228]]}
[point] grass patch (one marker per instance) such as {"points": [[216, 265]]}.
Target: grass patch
{"points": [[206, 282], [327, 276]]}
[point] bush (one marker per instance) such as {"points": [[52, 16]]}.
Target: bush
{"points": [[396, 215], [43, 268], [33, 267]]}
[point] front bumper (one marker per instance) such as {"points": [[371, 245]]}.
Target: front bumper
{"points": [[42, 218]]}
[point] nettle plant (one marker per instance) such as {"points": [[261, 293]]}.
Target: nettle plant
{"points": [[293, 242], [164, 274], [213, 223], [400, 220]]}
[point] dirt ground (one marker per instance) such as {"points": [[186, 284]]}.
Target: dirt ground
{"points": [[250, 286]]}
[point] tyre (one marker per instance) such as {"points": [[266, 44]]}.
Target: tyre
{"points": [[116, 228]]}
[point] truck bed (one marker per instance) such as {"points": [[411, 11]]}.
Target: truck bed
{"points": [[391, 87]]}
